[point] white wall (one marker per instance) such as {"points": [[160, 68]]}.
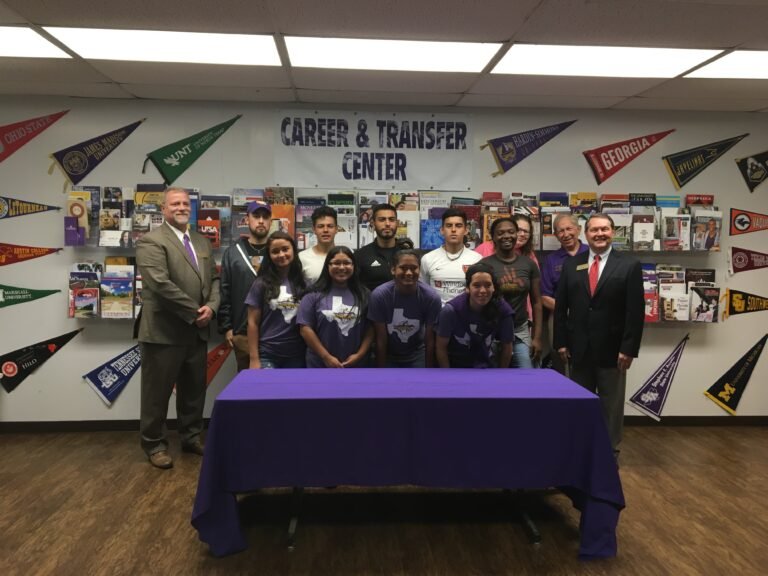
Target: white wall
{"points": [[243, 157]]}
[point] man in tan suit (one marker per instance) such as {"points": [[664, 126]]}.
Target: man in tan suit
{"points": [[180, 293]]}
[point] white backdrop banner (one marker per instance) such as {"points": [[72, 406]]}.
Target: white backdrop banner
{"points": [[331, 149]]}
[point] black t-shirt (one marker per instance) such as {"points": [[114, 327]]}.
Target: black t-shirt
{"points": [[374, 264]]}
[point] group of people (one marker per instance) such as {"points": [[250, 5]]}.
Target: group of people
{"points": [[383, 305]]}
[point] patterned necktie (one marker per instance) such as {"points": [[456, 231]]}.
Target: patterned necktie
{"points": [[594, 272], [188, 246]]}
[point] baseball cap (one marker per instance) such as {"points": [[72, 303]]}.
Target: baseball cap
{"points": [[259, 205]]}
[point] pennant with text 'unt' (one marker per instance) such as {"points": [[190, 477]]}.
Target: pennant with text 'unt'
{"points": [[738, 302], [10, 295], [12, 253], [686, 165], [754, 169], [743, 260], [109, 379], [607, 160], [727, 391], [14, 136], [511, 150], [651, 396], [17, 365], [216, 358], [11, 207], [744, 221]]}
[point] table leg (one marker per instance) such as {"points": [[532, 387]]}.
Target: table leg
{"points": [[298, 492], [531, 530]]}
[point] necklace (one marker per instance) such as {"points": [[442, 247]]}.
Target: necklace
{"points": [[458, 255]]}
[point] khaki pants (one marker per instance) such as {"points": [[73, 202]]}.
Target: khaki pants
{"points": [[242, 356]]}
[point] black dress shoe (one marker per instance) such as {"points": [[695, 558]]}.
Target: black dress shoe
{"points": [[194, 447]]}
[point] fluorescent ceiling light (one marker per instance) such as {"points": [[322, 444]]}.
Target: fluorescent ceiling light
{"points": [[408, 55], [738, 64], [158, 46], [18, 42], [607, 61]]}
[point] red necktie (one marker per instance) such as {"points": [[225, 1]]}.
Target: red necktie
{"points": [[594, 273]]}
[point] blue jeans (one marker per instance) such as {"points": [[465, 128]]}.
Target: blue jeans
{"points": [[270, 362]]}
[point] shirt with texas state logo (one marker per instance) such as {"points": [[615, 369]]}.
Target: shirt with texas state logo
{"points": [[278, 333]]}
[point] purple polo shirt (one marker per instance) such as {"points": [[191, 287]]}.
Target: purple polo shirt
{"points": [[553, 266]]}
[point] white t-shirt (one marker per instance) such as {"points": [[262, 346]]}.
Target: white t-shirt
{"points": [[311, 265], [445, 272]]}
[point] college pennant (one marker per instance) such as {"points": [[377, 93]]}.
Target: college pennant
{"points": [[109, 379], [17, 365], [174, 159], [754, 169], [727, 391], [11, 207], [512, 149], [744, 221], [79, 160], [651, 396], [605, 161], [12, 253], [14, 136], [743, 260], [686, 165], [10, 295], [738, 302], [216, 358]]}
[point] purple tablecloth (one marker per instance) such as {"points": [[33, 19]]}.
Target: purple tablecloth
{"points": [[448, 428]]}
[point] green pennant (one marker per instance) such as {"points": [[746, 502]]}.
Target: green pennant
{"points": [[10, 295], [174, 159]]}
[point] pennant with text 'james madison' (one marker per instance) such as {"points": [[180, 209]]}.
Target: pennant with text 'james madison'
{"points": [[754, 169], [174, 159], [744, 260], [686, 165], [14, 136], [511, 150], [727, 391], [651, 396], [744, 222], [216, 358], [79, 160], [109, 379], [10, 295], [11, 207], [17, 365], [738, 302], [12, 253], [607, 160]]}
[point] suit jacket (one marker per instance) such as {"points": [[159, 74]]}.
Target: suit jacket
{"points": [[596, 328], [173, 289]]}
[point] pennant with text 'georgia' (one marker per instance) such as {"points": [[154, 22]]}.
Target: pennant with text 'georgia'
{"points": [[686, 165], [607, 160], [174, 159], [10, 295], [743, 260], [727, 391], [754, 169], [109, 379], [511, 150], [651, 396], [12, 253], [79, 160], [216, 359], [11, 207], [17, 365], [744, 222], [738, 302], [14, 136]]}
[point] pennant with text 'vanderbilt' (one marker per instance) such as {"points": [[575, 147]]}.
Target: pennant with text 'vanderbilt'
{"points": [[727, 391], [744, 222], [79, 160], [607, 160], [10, 295], [738, 302], [743, 260], [12, 253], [11, 207], [109, 379], [14, 136], [651, 396], [17, 365], [511, 150], [686, 165], [754, 169], [174, 159]]}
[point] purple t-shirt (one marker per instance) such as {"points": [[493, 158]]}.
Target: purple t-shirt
{"points": [[553, 267], [338, 323], [406, 317], [278, 333], [470, 337]]}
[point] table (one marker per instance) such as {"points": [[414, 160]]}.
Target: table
{"points": [[447, 428]]}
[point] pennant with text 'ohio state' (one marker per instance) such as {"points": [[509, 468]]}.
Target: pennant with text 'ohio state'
{"points": [[754, 169], [11, 207], [686, 165], [79, 160], [607, 160], [738, 302], [743, 260], [109, 379], [511, 150], [14, 136], [651, 396], [174, 159], [11, 253], [17, 365], [744, 222], [10, 295], [727, 391]]}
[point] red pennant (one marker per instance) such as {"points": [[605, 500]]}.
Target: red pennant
{"points": [[11, 253], [14, 136], [216, 359], [607, 160], [743, 259], [744, 221]]}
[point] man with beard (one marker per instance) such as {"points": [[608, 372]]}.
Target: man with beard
{"points": [[239, 267], [374, 261]]}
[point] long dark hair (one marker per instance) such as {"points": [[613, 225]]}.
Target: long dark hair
{"points": [[325, 283], [527, 248], [270, 277], [491, 311]]}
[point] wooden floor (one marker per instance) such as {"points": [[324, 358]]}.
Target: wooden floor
{"points": [[89, 503]]}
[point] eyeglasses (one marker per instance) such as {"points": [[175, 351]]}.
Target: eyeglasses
{"points": [[521, 231], [342, 264]]}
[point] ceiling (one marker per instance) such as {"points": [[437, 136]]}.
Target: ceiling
{"points": [[714, 24]]}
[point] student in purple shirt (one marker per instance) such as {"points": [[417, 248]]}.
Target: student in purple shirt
{"points": [[273, 300], [332, 316], [404, 312], [471, 322]]}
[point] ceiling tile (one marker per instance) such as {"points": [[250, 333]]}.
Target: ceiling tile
{"points": [[56, 88], [558, 85], [212, 93], [710, 88], [701, 104], [385, 81], [47, 70], [383, 98], [538, 101]]}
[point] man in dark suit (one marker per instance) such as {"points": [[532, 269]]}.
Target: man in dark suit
{"points": [[180, 293], [599, 315]]}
